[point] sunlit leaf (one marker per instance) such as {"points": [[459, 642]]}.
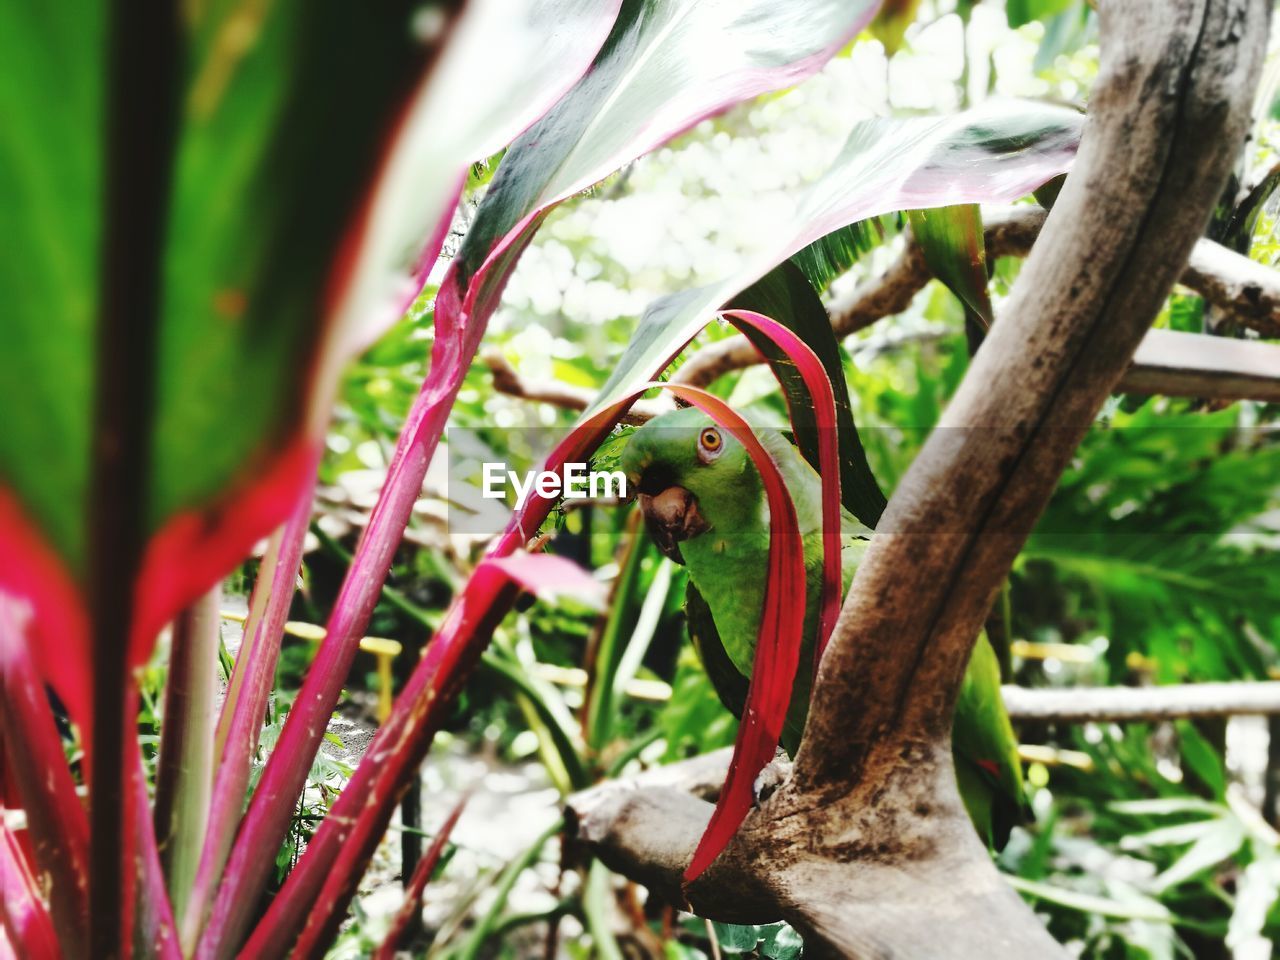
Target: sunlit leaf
{"points": [[999, 152], [1256, 894], [417, 884], [1165, 807], [1149, 910], [1177, 835], [1217, 844]]}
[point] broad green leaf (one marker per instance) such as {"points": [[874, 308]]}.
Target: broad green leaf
{"points": [[736, 937], [1153, 520], [317, 164], [998, 152], [781, 942]]}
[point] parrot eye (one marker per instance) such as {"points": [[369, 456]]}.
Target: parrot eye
{"points": [[710, 444]]}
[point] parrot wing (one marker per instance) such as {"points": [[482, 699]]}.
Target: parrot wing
{"points": [[988, 770], [729, 684]]}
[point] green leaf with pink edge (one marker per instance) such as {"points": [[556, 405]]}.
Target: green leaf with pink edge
{"points": [[320, 154]]}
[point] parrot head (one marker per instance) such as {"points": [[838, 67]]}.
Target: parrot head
{"points": [[690, 476]]}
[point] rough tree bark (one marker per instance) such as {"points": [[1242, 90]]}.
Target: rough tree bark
{"points": [[866, 847]]}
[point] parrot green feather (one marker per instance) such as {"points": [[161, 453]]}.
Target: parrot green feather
{"points": [[726, 555]]}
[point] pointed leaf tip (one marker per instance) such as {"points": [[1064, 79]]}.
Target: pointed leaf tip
{"points": [[546, 574]]}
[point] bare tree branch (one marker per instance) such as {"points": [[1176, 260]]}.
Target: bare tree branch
{"points": [[1246, 292], [1198, 365], [1166, 363], [1143, 704], [556, 392], [645, 823], [641, 820], [1168, 116]]}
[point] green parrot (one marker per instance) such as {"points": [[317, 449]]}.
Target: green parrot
{"points": [[704, 505]]}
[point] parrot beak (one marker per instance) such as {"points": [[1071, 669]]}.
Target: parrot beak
{"points": [[672, 516]]}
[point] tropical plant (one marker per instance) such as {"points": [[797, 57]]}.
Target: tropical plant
{"points": [[220, 208]]}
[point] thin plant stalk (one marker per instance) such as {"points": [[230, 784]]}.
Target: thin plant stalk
{"points": [[156, 934], [603, 655], [141, 108], [267, 820], [184, 775], [655, 600], [596, 898], [485, 927], [352, 830], [23, 916], [56, 821], [417, 884], [262, 591], [242, 720]]}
